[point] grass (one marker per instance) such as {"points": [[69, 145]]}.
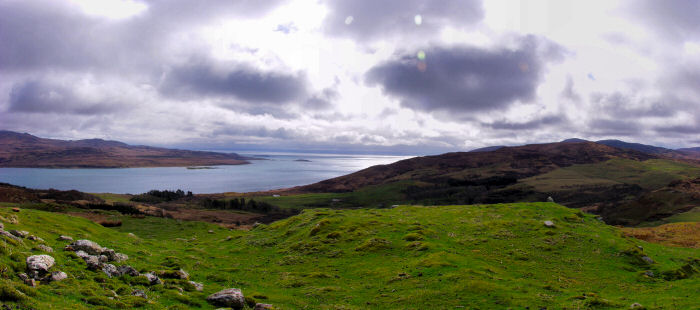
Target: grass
{"points": [[649, 174], [674, 234], [408, 257], [112, 198]]}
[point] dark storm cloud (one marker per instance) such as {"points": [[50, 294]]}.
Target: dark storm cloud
{"points": [[613, 127], [37, 96], [677, 19], [201, 78], [622, 105], [365, 20], [55, 34], [465, 79], [533, 124]]}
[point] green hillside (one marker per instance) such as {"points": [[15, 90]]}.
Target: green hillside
{"points": [[408, 257]]}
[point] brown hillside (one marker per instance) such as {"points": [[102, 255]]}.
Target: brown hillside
{"points": [[25, 150]]}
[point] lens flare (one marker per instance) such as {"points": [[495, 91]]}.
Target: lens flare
{"points": [[420, 55], [418, 20], [349, 19]]}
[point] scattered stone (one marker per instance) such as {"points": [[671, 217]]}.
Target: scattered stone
{"points": [[231, 297], [58, 276], [103, 258], [88, 246], [93, 263], [35, 238], [260, 306], [9, 235], [197, 286], [549, 223], [647, 259], [121, 257], [45, 248], [2, 226], [550, 199], [649, 273], [152, 279], [636, 305], [40, 263], [82, 254], [23, 276], [19, 233], [65, 238], [30, 282], [139, 293], [128, 270], [110, 270], [15, 209], [640, 247], [181, 274], [210, 231]]}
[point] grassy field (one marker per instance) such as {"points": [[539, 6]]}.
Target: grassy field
{"points": [[408, 257], [690, 216], [650, 174]]}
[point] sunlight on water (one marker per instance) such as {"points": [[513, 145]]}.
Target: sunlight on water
{"points": [[279, 170]]}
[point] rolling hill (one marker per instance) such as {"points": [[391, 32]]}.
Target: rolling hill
{"points": [[28, 151]]}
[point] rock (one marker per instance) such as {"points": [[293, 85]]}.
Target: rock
{"points": [[139, 293], [82, 254], [181, 274], [65, 238], [88, 246], [23, 276], [231, 297], [647, 259], [19, 233], [30, 282], [636, 305], [649, 273], [44, 248], [58, 276], [128, 270], [210, 231], [121, 257], [35, 238], [40, 263], [197, 286], [103, 258], [9, 235], [15, 209], [2, 226], [152, 279], [550, 199], [93, 263], [260, 306], [549, 223], [110, 270]]}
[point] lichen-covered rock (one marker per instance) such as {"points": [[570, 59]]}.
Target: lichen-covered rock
{"points": [[88, 246], [35, 238], [110, 270], [260, 306], [40, 263], [197, 286], [152, 279], [231, 297], [19, 233], [647, 259], [82, 254], [549, 223], [65, 238], [113, 256], [93, 262], [103, 258], [139, 293], [9, 235], [58, 276], [120, 257], [128, 270]]}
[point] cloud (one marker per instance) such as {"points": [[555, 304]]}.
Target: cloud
{"points": [[199, 78], [366, 20], [460, 80], [625, 105], [39, 96], [533, 124], [675, 20], [569, 92]]}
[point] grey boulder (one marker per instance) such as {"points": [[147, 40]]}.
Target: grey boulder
{"points": [[231, 297]]}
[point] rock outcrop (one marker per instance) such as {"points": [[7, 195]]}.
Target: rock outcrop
{"points": [[231, 297]]}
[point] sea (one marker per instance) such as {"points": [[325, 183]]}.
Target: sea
{"points": [[272, 171]]}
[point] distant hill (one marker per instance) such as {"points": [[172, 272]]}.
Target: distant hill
{"points": [[25, 150], [488, 148], [635, 146]]}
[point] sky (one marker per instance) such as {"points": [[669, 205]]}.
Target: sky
{"points": [[360, 76]]}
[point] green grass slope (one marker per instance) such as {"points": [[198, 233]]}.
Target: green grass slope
{"points": [[409, 257]]}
